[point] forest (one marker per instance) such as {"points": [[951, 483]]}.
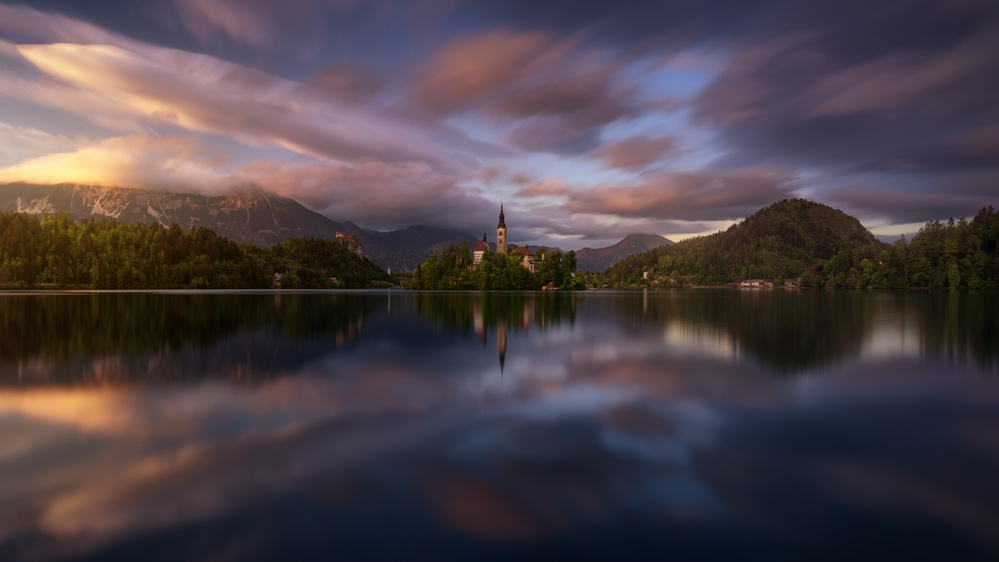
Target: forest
{"points": [[817, 246], [58, 252], [452, 269]]}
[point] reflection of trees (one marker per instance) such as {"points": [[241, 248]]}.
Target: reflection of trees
{"points": [[108, 328], [800, 330], [789, 331], [957, 324], [464, 312]]}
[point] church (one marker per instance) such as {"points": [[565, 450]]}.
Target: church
{"points": [[527, 256]]}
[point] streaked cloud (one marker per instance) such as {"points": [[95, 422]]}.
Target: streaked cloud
{"points": [[636, 152], [163, 164], [548, 186], [559, 93], [644, 111], [839, 92], [200, 93], [389, 195], [473, 69], [965, 195], [18, 144], [687, 195]]}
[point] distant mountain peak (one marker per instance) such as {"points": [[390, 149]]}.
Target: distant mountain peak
{"points": [[589, 259]]}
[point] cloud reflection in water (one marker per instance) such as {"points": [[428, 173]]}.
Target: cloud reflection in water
{"points": [[599, 435]]}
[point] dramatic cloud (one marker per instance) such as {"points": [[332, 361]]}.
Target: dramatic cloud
{"points": [[636, 152], [390, 196], [302, 28], [886, 109], [548, 186], [24, 25], [18, 144], [248, 22], [687, 196], [172, 164], [470, 70], [204, 94], [962, 197], [898, 83], [855, 95], [561, 94]]}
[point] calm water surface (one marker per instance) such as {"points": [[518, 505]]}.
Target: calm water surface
{"points": [[439, 426]]}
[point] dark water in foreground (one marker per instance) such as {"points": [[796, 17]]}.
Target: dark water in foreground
{"points": [[434, 426]]}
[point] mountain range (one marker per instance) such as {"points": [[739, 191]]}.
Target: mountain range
{"points": [[255, 217]]}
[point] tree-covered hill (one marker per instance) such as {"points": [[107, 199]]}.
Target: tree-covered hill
{"points": [[817, 245], [777, 242], [57, 251]]}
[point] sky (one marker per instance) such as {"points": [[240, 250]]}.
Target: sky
{"points": [[588, 120]]}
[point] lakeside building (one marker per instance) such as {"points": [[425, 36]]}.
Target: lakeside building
{"points": [[527, 256]]}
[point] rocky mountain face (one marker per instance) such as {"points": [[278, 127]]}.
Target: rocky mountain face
{"points": [[245, 217], [589, 259]]}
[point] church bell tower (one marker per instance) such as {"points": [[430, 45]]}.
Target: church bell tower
{"points": [[501, 233]]}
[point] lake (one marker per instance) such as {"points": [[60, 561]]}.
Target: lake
{"points": [[391, 425]]}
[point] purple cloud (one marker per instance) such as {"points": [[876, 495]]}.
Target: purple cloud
{"points": [[636, 152], [687, 195]]}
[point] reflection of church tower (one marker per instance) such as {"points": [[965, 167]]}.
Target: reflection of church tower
{"points": [[501, 233], [479, 321], [501, 341]]}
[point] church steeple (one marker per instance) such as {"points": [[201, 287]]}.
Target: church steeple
{"points": [[501, 233]]}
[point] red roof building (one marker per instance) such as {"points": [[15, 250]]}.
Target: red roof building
{"points": [[479, 250], [527, 256]]}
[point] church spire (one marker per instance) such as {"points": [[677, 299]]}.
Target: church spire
{"points": [[501, 233]]}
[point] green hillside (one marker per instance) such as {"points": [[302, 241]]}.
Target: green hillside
{"points": [[58, 252], [778, 242], [817, 245]]}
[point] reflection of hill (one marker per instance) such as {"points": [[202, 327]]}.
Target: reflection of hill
{"points": [[788, 331], [800, 330], [121, 336], [142, 337]]}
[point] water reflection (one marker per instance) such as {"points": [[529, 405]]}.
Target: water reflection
{"points": [[122, 337], [497, 312], [144, 337], [489, 426]]}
